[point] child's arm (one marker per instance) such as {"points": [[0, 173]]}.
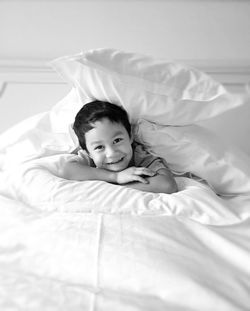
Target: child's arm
{"points": [[139, 178], [80, 171], [162, 182]]}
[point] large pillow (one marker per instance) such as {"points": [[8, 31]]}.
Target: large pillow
{"points": [[199, 151], [33, 138], [63, 113], [161, 91]]}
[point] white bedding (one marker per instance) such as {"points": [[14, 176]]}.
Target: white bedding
{"points": [[68, 245], [94, 261]]}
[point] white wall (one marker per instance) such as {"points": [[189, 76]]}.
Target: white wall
{"points": [[196, 31], [175, 29]]}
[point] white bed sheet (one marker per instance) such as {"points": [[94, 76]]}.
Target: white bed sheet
{"points": [[190, 253]]}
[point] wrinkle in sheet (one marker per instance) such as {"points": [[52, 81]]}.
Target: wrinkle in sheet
{"points": [[97, 262]]}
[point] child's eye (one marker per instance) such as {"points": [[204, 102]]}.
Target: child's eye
{"points": [[117, 140], [100, 147]]}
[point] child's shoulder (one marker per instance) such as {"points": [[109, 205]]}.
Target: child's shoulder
{"points": [[141, 156]]}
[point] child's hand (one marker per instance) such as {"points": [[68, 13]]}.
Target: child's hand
{"points": [[134, 174]]}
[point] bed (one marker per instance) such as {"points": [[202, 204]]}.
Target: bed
{"points": [[69, 245]]}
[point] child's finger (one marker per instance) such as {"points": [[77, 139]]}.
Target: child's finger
{"points": [[141, 179], [147, 172]]}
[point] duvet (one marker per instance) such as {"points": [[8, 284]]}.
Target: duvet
{"points": [[186, 251], [68, 245]]}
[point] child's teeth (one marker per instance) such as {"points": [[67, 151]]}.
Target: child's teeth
{"points": [[115, 162]]}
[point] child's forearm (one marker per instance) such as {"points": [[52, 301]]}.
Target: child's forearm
{"points": [[81, 172], [77, 171], [162, 182], [157, 184]]}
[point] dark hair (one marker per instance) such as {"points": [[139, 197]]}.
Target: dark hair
{"points": [[95, 111]]}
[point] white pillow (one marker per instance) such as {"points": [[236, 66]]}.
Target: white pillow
{"points": [[197, 150], [161, 91], [63, 113], [33, 138]]}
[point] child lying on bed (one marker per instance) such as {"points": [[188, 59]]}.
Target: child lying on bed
{"points": [[108, 152]]}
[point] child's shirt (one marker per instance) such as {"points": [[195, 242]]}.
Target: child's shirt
{"points": [[142, 158]]}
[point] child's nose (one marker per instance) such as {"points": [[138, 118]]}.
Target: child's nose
{"points": [[110, 151]]}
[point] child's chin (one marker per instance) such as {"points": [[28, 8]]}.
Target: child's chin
{"points": [[116, 168]]}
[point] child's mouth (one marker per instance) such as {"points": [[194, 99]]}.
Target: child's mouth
{"points": [[116, 162]]}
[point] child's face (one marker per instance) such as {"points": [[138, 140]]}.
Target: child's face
{"points": [[109, 145]]}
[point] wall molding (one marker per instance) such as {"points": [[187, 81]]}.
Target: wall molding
{"points": [[232, 73], [16, 71]]}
